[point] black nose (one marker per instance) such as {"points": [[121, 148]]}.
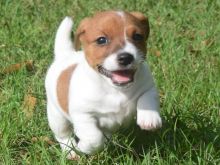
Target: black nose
{"points": [[125, 59]]}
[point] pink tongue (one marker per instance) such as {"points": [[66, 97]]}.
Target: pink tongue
{"points": [[121, 76]]}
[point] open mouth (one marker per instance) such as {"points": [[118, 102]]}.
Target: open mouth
{"points": [[118, 77]]}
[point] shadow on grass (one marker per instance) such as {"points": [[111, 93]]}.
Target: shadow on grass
{"points": [[191, 138]]}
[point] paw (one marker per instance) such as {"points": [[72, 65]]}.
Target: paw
{"points": [[91, 146], [72, 156], [149, 120]]}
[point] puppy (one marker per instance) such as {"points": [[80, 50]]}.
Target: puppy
{"points": [[94, 91]]}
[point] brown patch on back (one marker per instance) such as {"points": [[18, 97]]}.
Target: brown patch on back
{"points": [[63, 84]]}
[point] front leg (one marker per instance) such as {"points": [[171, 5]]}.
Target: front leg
{"points": [[148, 117], [91, 138]]}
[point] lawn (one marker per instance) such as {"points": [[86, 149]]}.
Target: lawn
{"points": [[184, 55]]}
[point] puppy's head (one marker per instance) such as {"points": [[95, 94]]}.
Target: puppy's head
{"points": [[114, 43]]}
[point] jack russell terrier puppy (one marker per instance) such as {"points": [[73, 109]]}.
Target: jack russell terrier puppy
{"points": [[94, 91]]}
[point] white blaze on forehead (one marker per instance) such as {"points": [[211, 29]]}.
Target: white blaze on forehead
{"points": [[120, 13]]}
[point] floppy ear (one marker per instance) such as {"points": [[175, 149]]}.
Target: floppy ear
{"points": [[81, 30], [143, 19]]}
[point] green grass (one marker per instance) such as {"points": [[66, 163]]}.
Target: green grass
{"points": [[184, 55]]}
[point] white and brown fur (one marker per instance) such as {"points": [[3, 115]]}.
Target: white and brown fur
{"points": [[83, 101]]}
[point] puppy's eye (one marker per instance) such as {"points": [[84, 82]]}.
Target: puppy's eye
{"points": [[137, 37], [102, 41]]}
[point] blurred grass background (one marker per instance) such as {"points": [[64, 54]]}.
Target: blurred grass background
{"points": [[184, 55]]}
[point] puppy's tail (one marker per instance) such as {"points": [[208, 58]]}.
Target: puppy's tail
{"points": [[63, 42]]}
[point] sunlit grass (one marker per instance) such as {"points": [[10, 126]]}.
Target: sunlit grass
{"points": [[183, 52]]}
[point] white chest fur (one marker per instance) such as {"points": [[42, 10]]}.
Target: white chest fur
{"points": [[110, 107], [115, 111]]}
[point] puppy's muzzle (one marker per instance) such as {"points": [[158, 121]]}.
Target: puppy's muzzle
{"points": [[125, 59]]}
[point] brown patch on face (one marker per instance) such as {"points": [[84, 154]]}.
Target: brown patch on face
{"points": [[137, 23], [113, 26], [63, 84]]}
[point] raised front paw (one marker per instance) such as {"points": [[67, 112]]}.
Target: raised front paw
{"points": [[149, 120]]}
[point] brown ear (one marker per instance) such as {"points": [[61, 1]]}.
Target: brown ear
{"points": [[79, 32], [143, 19]]}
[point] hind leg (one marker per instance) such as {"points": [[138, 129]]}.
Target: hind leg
{"points": [[62, 130]]}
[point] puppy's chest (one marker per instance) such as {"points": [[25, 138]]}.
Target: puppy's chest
{"points": [[114, 112]]}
